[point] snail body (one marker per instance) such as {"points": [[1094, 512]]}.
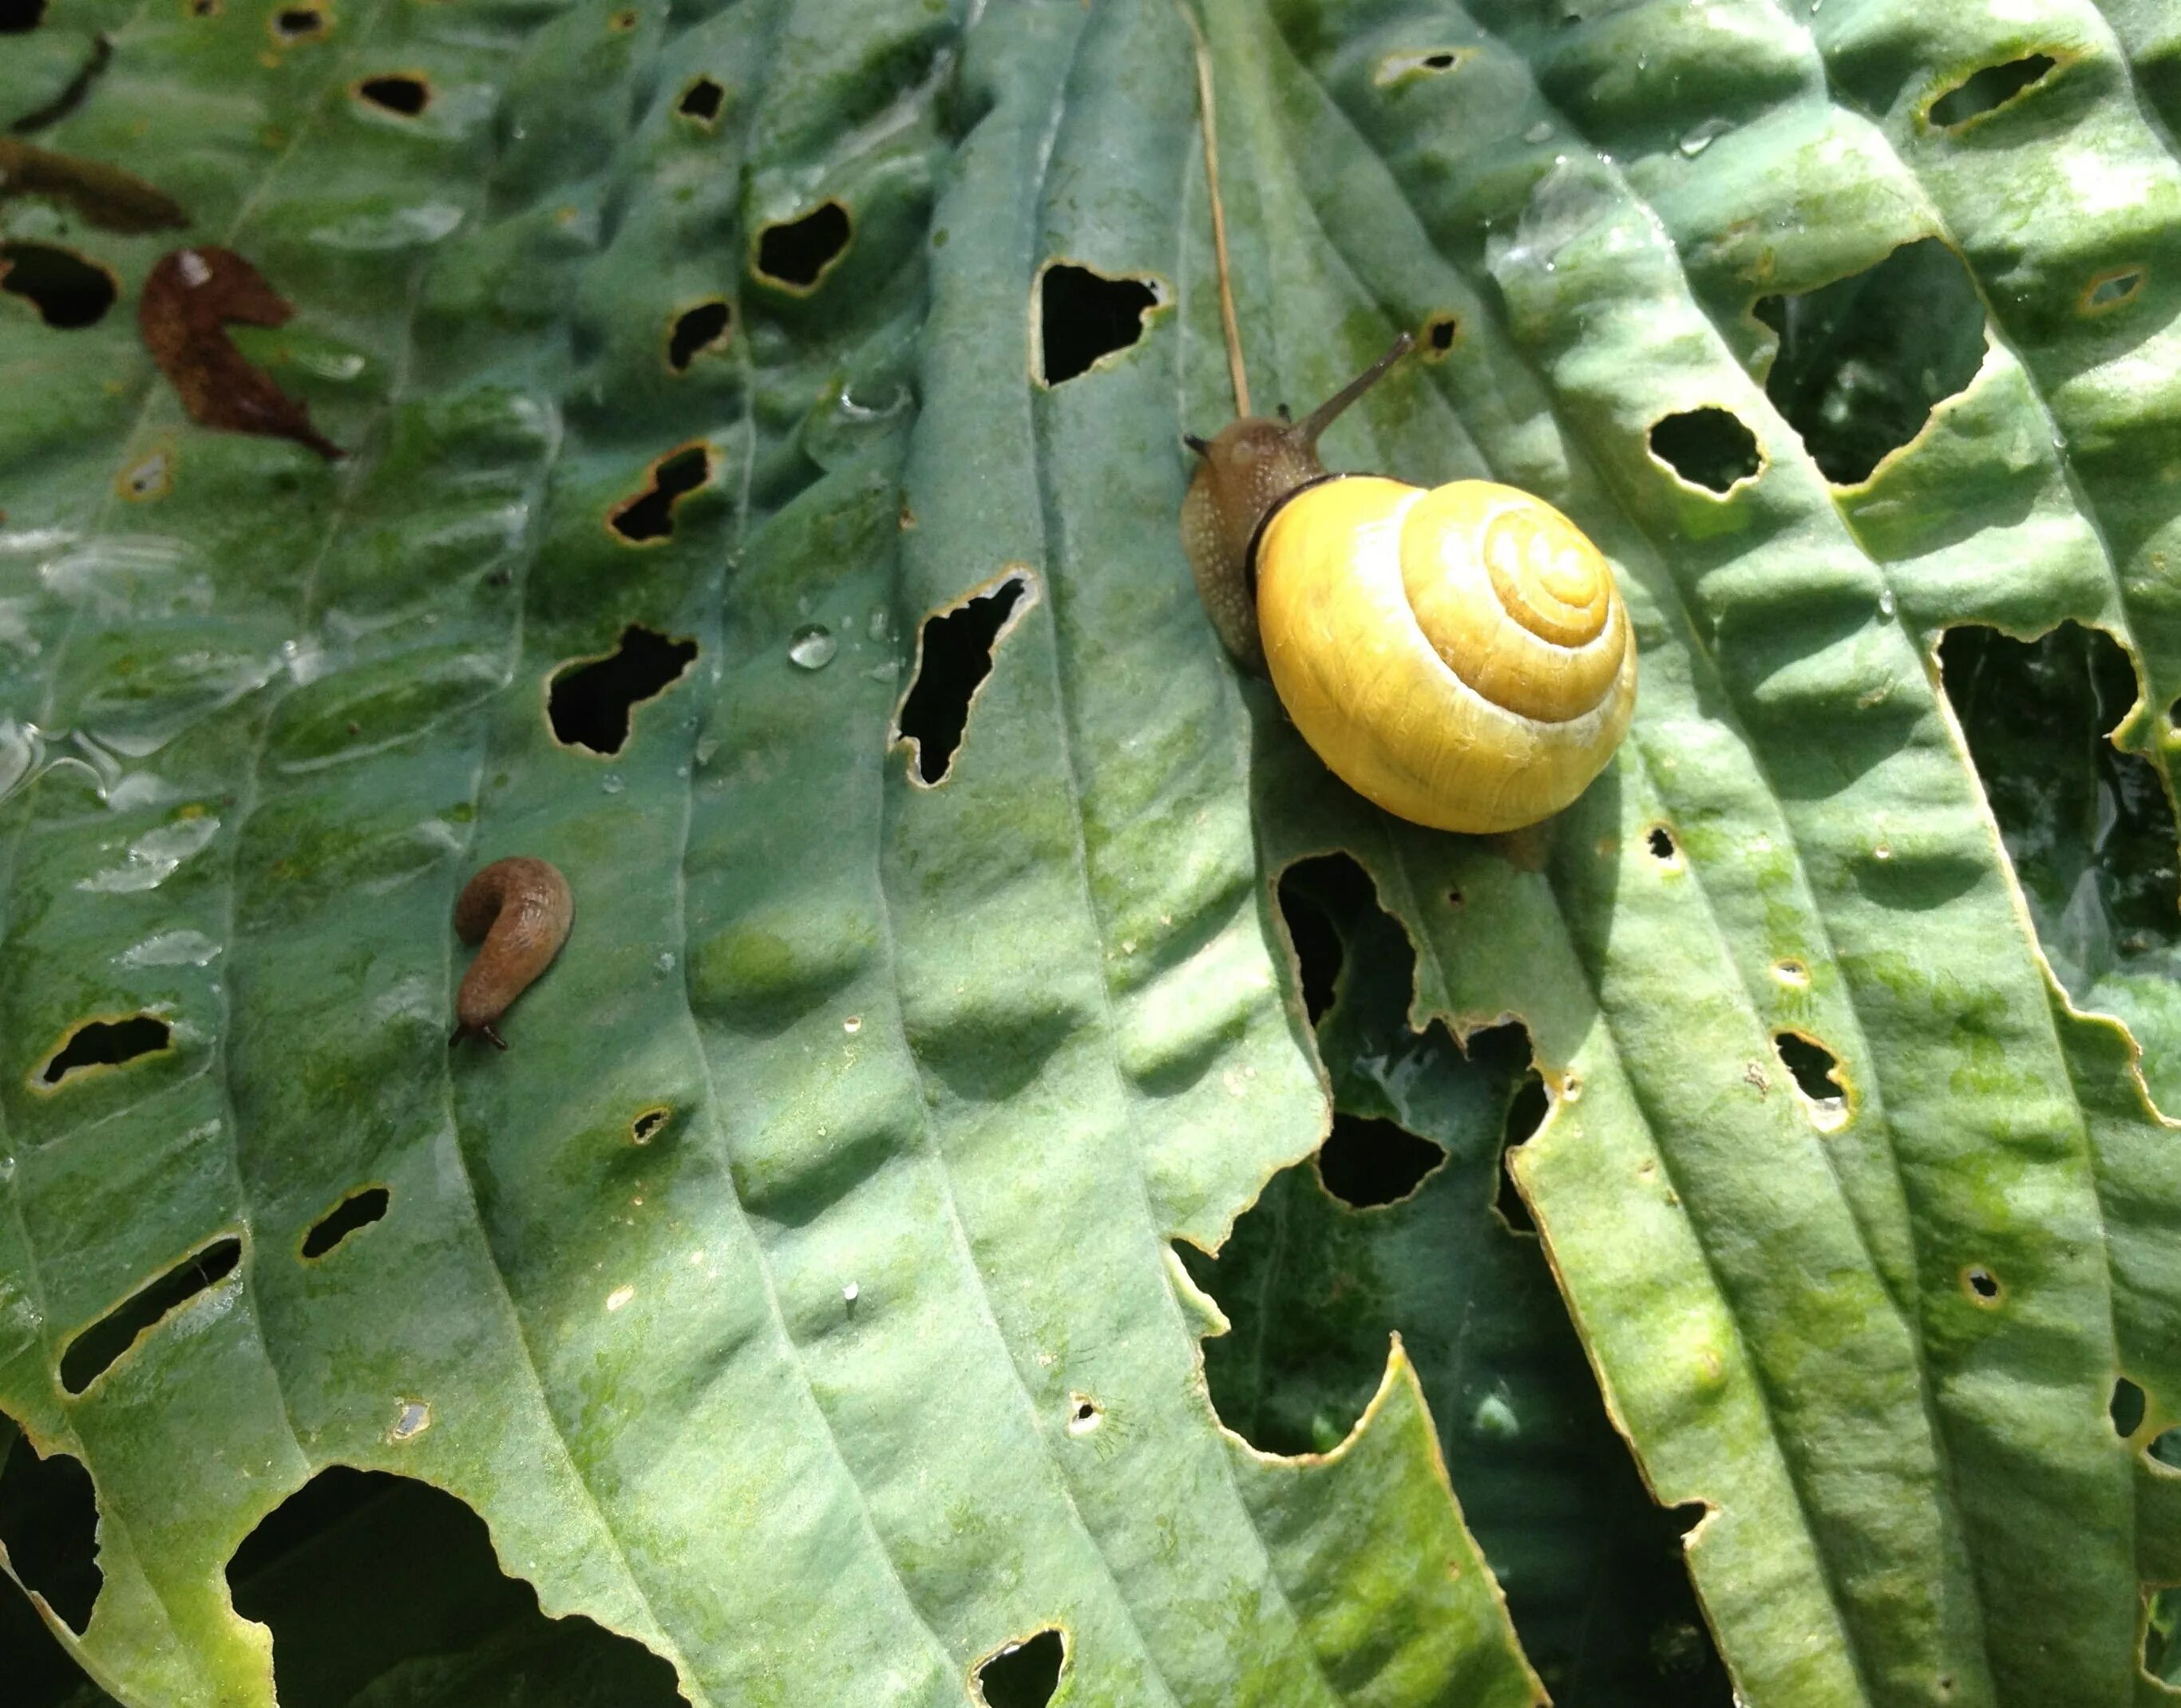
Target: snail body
{"points": [[520, 909], [1459, 655]]}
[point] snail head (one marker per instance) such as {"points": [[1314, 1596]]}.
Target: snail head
{"points": [[1243, 475]]}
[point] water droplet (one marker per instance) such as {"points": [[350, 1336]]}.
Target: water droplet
{"points": [[1704, 135], [1885, 602], [878, 628], [612, 783], [813, 647], [1541, 131]]}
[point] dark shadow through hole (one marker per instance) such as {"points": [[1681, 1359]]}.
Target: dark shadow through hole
{"points": [[94, 1352], [1862, 361], [359, 1209], [365, 1576], [404, 95], [696, 330], [1993, 86], [795, 252], [1366, 1162], [701, 100], [68, 292], [954, 656], [1527, 1110], [49, 1525], [589, 702], [1439, 335], [1025, 1674], [1982, 1281], [1812, 1064], [20, 17], [1083, 316], [640, 1130], [2126, 1408], [649, 516], [1661, 843], [295, 23], [1318, 953], [2088, 828], [107, 1044], [1709, 448]]}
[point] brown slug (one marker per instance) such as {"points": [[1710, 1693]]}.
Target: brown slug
{"points": [[520, 909]]}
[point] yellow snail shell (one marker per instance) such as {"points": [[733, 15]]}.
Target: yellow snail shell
{"points": [[1459, 655]]}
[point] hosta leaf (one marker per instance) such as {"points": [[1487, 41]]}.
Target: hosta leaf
{"points": [[1878, 1335], [793, 1297]]}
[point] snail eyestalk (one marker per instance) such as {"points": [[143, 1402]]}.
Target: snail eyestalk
{"points": [[1316, 422]]}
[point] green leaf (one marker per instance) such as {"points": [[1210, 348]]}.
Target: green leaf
{"points": [[793, 1296], [797, 1296]]}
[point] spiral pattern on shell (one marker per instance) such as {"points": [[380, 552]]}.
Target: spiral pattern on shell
{"points": [[1459, 655]]}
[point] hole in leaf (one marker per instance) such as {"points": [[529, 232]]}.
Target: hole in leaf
{"points": [[298, 23], [49, 1526], [1366, 1162], [696, 330], [1812, 1064], [2126, 1408], [359, 1209], [589, 701], [1439, 334], [94, 1352], [649, 516], [1862, 361], [954, 656], [106, 1044], [68, 292], [1993, 86], [2111, 290], [1709, 448], [399, 93], [361, 1575], [1318, 949], [646, 1125], [702, 101], [20, 17], [1527, 1106], [1981, 1284], [1025, 1674], [1312, 1290], [2089, 828], [796, 252], [1084, 1414], [1398, 68], [1084, 315], [204, 8], [1661, 843]]}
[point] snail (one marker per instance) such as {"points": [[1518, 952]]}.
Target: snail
{"points": [[521, 910], [1460, 656]]}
